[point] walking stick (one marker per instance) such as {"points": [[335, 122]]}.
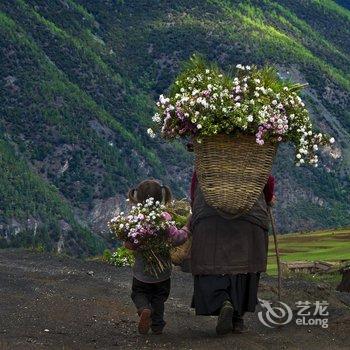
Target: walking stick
{"points": [[272, 219]]}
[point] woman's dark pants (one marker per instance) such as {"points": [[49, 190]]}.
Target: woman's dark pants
{"points": [[210, 292], [151, 296]]}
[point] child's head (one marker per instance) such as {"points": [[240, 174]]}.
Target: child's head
{"points": [[150, 188]]}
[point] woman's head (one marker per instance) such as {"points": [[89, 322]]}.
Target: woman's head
{"points": [[147, 189]]}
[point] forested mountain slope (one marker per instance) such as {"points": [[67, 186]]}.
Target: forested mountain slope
{"points": [[78, 81]]}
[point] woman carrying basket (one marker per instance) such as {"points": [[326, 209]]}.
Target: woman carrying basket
{"points": [[236, 123], [228, 254]]}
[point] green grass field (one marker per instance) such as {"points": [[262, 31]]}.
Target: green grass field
{"points": [[331, 245]]}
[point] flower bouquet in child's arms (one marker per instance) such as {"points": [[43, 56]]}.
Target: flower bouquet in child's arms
{"points": [[147, 229]]}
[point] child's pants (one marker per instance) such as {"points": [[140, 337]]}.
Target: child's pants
{"points": [[151, 296]]}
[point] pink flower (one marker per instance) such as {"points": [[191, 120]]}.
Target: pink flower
{"points": [[166, 216]]}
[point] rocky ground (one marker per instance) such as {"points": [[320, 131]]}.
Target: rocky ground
{"points": [[57, 302]]}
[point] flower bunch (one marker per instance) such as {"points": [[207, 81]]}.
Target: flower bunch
{"points": [[205, 102], [146, 229], [144, 223]]}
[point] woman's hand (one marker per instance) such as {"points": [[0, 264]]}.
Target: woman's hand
{"points": [[272, 202]]}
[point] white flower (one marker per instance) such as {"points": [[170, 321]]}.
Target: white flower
{"points": [[285, 88], [315, 147], [250, 118], [156, 118], [274, 102], [298, 156], [332, 140], [121, 226], [207, 71], [151, 133], [163, 100], [199, 126], [301, 161]]}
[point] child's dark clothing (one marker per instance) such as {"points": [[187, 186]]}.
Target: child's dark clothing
{"points": [[150, 291], [151, 296]]}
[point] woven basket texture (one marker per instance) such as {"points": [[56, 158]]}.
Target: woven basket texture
{"points": [[182, 252], [232, 170]]}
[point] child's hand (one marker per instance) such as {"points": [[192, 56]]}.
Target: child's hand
{"points": [[178, 236]]}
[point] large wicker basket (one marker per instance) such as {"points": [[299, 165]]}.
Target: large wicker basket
{"points": [[232, 170]]}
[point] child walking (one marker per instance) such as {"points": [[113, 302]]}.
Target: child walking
{"points": [[149, 291]]}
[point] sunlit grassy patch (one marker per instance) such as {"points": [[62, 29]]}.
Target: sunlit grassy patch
{"points": [[331, 245]]}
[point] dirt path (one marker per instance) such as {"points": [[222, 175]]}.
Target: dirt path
{"points": [[53, 302]]}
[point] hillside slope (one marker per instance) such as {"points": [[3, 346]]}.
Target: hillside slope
{"points": [[40, 217], [79, 79]]}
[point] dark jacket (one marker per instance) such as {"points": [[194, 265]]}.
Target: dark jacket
{"points": [[222, 245]]}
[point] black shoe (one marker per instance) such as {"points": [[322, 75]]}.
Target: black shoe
{"points": [[239, 326], [158, 330], [224, 324]]}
